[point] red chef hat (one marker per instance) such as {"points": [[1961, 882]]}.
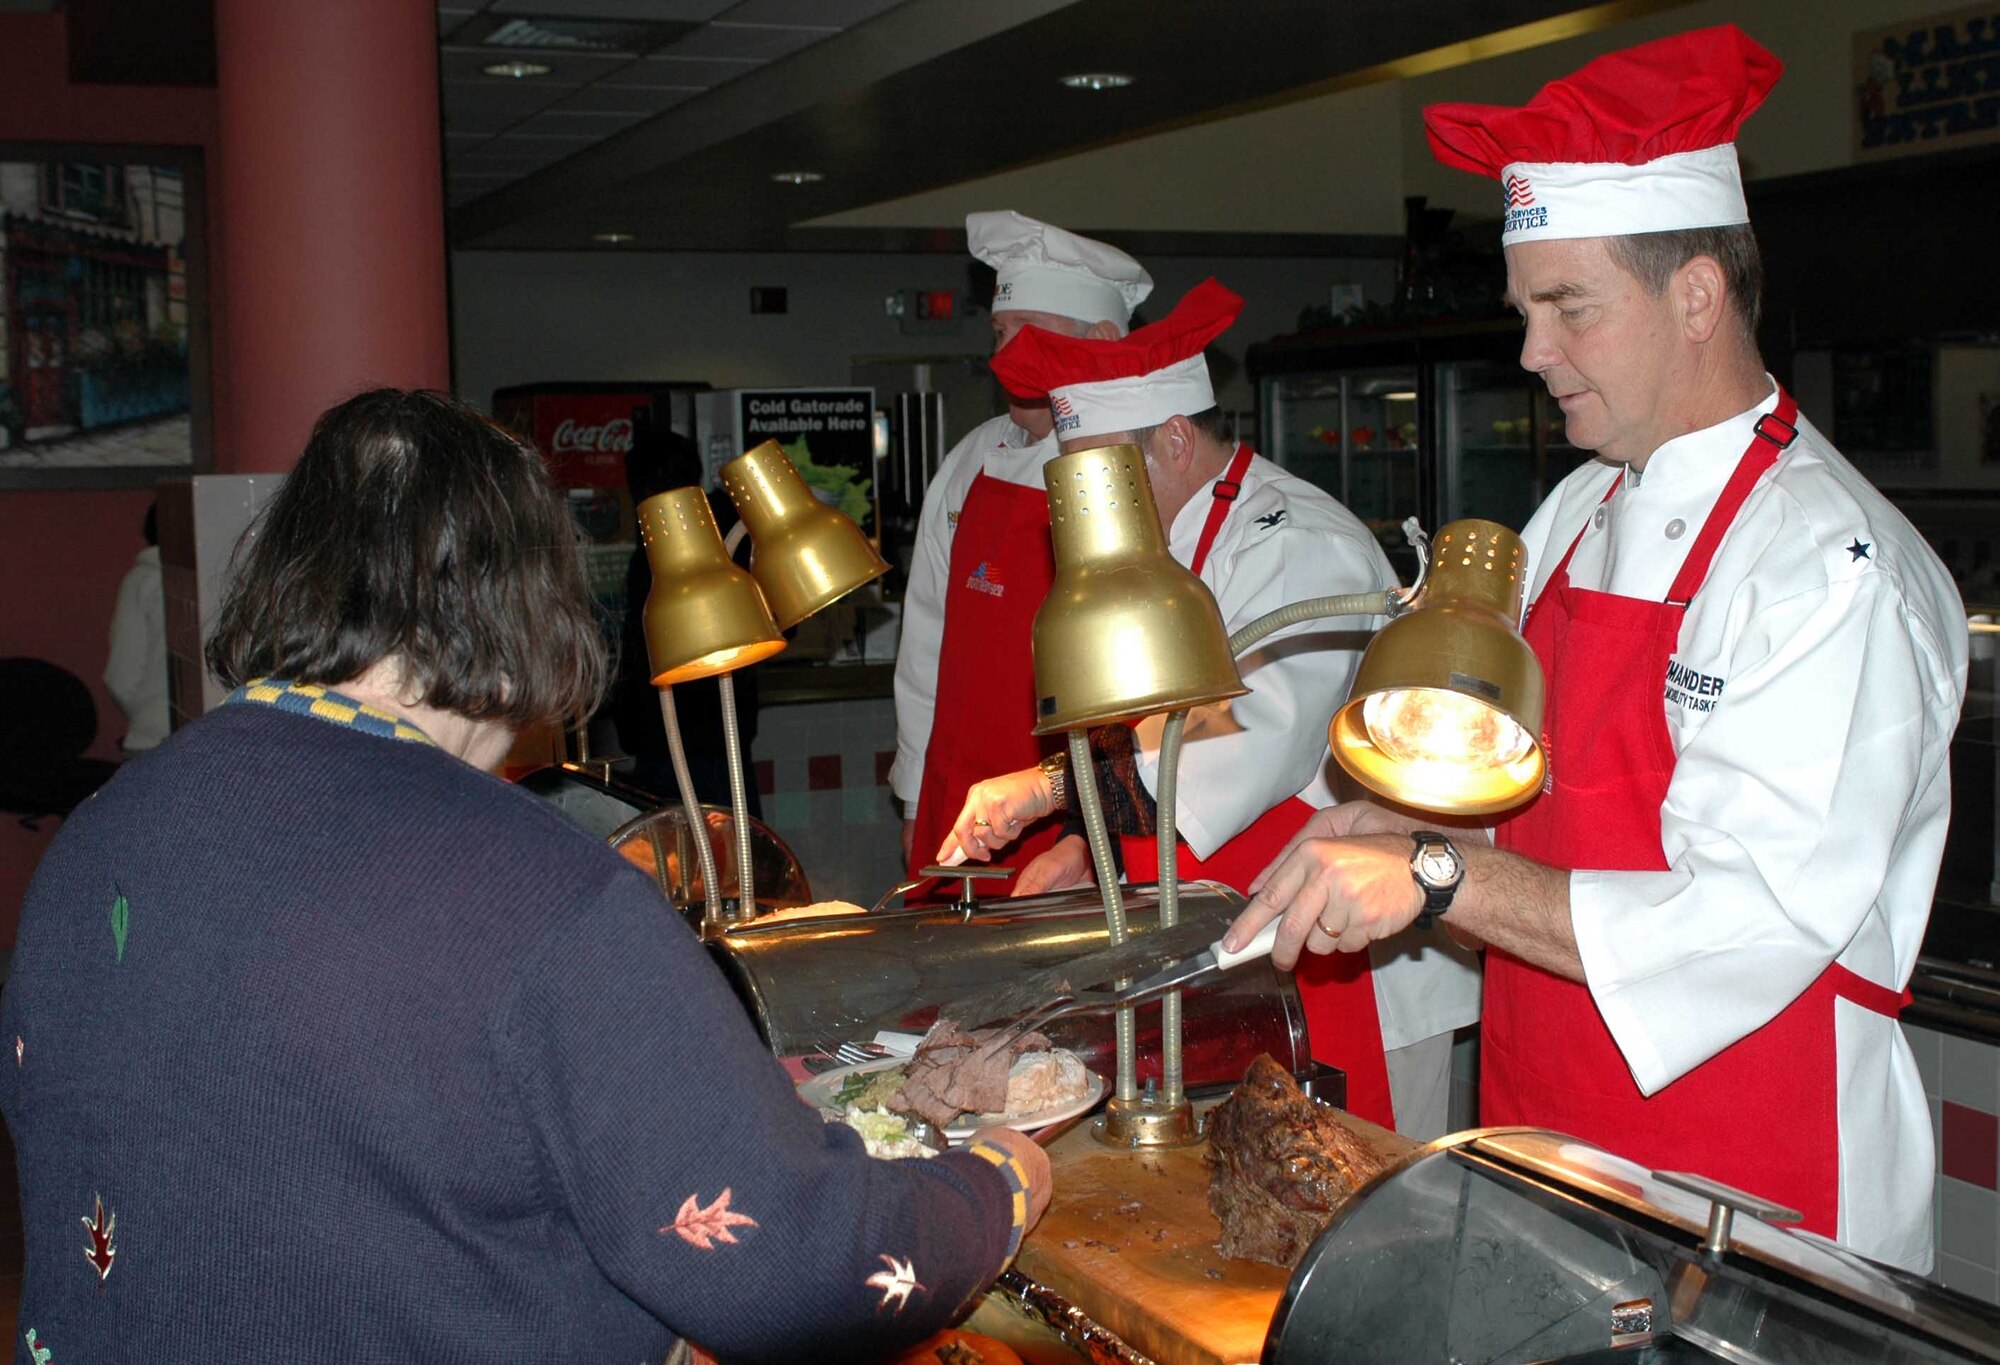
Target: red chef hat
{"points": [[1637, 141], [1099, 386]]}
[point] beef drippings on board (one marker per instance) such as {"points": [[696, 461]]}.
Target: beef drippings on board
{"points": [[955, 1072], [1279, 1165]]}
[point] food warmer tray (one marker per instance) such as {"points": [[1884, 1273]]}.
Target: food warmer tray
{"points": [[811, 984], [1506, 1246]]}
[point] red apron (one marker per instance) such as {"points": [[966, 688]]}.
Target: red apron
{"points": [[1761, 1114], [1001, 568], [1335, 989]]}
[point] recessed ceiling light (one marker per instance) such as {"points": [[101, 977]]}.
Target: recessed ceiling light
{"points": [[613, 238], [1401, 396], [519, 71], [1097, 80], [798, 177]]}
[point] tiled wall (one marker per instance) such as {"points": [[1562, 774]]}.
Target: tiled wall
{"points": [[1962, 1082], [822, 769]]}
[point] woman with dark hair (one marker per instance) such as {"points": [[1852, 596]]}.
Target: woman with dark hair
{"points": [[343, 1049]]}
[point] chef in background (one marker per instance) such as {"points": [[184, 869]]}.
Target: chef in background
{"points": [[982, 562], [135, 672], [1701, 929], [1254, 768]]}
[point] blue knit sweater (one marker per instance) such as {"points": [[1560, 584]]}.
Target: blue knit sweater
{"points": [[321, 1045]]}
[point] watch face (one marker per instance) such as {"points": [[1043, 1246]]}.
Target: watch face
{"points": [[1438, 864]]}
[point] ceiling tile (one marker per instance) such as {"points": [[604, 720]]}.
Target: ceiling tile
{"points": [[676, 70], [490, 106], [510, 166], [756, 42], [568, 123], [627, 99], [567, 69], [808, 13], [643, 11]]}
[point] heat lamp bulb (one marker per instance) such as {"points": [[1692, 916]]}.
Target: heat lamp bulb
{"points": [[1428, 725]]}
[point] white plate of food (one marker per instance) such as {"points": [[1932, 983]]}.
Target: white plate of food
{"points": [[1043, 1088]]}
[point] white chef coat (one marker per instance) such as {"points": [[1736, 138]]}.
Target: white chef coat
{"points": [[1811, 703], [1001, 450], [135, 673], [1285, 541]]}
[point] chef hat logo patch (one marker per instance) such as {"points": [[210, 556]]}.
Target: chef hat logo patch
{"points": [[1064, 412]]}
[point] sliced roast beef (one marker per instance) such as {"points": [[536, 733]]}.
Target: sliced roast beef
{"points": [[955, 1072]]}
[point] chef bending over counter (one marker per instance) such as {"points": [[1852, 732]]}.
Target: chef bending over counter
{"points": [[1252, 768]]}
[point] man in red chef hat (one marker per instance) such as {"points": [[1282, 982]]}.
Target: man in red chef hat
{"points": [[1699, 932], [1253, 768]]}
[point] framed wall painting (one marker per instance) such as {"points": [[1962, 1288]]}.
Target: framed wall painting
{"points": [[104, 315]]}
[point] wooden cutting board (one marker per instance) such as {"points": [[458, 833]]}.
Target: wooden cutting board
{"points": [[1129, 1240]]}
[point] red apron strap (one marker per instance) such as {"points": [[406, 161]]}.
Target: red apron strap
{"points": [[1776, 430], [1868, 994], [1226, 490]]}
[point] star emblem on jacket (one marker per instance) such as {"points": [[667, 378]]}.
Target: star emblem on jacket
{"points": [[1271, 519], [102, 1227], [1858, 551], [897, 1283]]}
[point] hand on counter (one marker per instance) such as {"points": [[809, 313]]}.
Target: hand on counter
{"points": [[996, 811], [1065, 865]]}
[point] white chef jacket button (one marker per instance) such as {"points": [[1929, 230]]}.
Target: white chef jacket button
{"points": [[1676, 529], [1597, 518]]}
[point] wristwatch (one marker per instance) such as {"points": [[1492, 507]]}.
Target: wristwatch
{"points": [[1056, 768], [1438, 869]]}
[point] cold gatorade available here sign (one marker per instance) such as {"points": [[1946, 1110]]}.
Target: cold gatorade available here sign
{"points": [[837, 424]]}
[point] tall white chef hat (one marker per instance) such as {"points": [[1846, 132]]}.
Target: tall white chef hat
{"points": [[1641, 140], [1096, 387], [1047, 270]]}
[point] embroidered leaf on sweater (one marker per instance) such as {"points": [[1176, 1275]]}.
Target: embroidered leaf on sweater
{"points": [[36, 1351], [121, 920], [897, 1283], [704, 1227], [100, 1252]]}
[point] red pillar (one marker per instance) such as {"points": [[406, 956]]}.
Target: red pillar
{"points": [[332, 215]]}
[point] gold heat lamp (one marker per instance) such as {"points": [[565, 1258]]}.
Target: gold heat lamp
{"points": [[704, 618], [703, 615], [806, 555], [1446, 710], [1125, 631]]}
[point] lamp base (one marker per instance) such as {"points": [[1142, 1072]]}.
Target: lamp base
{"points": [[1145, 1122], [732, 916]]}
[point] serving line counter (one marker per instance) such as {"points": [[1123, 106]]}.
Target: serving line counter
{"points": [[1500, 1246]]}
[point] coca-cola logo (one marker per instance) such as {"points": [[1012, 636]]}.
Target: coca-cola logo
{"points": [[610, 438]]}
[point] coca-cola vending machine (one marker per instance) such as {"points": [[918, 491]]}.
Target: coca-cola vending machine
{"points": [[584, 431]]}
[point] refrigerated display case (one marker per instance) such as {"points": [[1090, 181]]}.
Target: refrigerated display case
{"points": [[1433, 422]]}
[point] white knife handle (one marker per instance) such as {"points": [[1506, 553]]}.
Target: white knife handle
{"points": [[1260, 946]]}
